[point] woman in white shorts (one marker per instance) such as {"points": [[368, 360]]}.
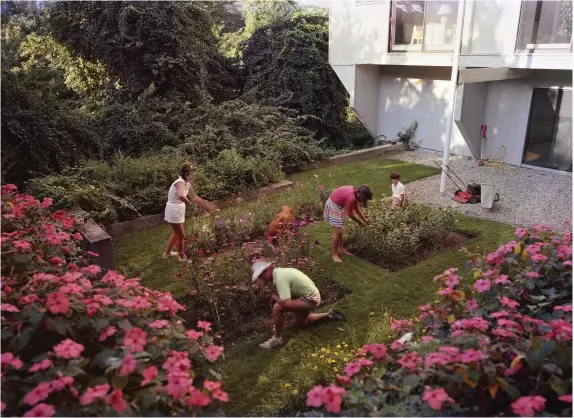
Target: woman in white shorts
{"points": [[177, 197]]}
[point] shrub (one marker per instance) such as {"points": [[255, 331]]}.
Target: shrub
{"points": [[498, 342], [74, 345], [399, 235]]}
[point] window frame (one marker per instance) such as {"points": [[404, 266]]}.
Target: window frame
{"points": [[537, 48], [405, 48]]}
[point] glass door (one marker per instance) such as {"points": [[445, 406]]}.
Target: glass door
{"points": [[549, 134]]}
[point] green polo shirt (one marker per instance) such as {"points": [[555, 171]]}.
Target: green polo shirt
{"points": [[292, 283]]}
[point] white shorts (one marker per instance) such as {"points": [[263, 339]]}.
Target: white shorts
{"points": [[175, 213]]}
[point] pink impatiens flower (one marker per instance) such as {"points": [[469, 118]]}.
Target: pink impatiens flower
{"points": [[8, 307], [212, 352], [451, 281], [149, 374], [38, 394], [471, 305], [527, 406], [107, 332], [129, 365], [502, 279], [378, 350], [204, 325], [352, 369], [193, 335], [41, 410], [62, 382], [397, 345], [481, 285], [25, 300], [563, 308], [94, 393], [12, 360], [198, 398], [159, 323], [68, 349], [315, 397], [58, 303], [566, 398], [428, 339], [399, 324], [410, 361], [471, 355], [435, 398], [117, 401], [508, 302], [42, 365], [220, 395], [135, 340], [333, 399]]}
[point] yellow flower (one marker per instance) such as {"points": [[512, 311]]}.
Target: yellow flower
{"points": [[321, 356], [314, 355], [335, 369], [323, 349], [295, 391], [338, 345], [328, 352], [345, 359], [315, 368], [287, 385]]}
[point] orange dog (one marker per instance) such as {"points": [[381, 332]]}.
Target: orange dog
{"points": [[281, 220]]}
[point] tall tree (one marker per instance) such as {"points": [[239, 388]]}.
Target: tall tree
{"points": [[286, 65], [166, 47]]}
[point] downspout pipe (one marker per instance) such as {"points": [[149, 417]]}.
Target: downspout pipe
{"points": [[453, 86]]}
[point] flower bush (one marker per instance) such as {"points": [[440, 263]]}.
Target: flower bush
{"points": [[498, 342], [74, 345], [398, 236]]}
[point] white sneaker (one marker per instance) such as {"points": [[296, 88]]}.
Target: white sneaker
{"points": [[272, 343], [166, 256]]}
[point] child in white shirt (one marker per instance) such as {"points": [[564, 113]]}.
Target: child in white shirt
{"points": [[398, 188]]}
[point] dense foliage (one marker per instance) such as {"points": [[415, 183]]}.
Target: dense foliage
{"points": [[76, 345], [397, 236], [498, 342], [85, 82]]}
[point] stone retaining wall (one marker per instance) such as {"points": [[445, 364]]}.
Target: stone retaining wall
{"points": [[99, 239]]}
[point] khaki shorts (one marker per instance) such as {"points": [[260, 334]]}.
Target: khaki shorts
{"points": [[311, 301]]}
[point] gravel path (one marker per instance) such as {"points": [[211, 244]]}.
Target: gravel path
{"points": [[527, 196]]}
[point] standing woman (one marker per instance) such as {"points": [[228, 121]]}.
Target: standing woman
{"points": [[177, 197], [345, 199]]}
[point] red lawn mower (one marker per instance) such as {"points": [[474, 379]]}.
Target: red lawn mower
{"points": [[471, 194]]}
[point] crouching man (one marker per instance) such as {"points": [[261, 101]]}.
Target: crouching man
{"points": [[295, 293]]}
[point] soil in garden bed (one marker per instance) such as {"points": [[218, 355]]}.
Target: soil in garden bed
{"points": [[454, 240], [245, 311]]}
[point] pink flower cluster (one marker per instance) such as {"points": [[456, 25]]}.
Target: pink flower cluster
{"points": [[330, 396]]}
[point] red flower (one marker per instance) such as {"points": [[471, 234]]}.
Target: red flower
{"points": [[117, 401]]}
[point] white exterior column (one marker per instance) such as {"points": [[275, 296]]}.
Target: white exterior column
{"points": [[453, 82]]}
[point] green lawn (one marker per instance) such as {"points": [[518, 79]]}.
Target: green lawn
{"points": [[274, 382]]}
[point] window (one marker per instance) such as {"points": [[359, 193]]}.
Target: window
{"points": [[545, 24], [549, 135], [423, 25]]}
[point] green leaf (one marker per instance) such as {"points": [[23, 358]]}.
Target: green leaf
{"points": [[6, 334], [411, 380], [559, 386], [148, 401], [36, 318], [548, 346], [513, 392], [24, 337], [125, 325], [57, 325], [119, 382], [101, 323], [73, 371], [102, 358], [379, 372], [535, 355]]}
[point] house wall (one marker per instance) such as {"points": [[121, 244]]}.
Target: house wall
{"points": [[421, 94], [507, 111], [366, 100], [469, 114]]}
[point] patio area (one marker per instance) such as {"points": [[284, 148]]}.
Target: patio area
{"points": [[527, 196]]}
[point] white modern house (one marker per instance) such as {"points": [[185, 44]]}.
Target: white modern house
{"points": [[510, 68]]}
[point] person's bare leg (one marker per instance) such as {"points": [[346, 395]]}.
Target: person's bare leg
{"points": [[170, 242], [180, 239], [278, 319], [337, 232], [342, 249]]}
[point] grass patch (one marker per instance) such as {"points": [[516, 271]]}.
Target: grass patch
{"points": [[275, 382]]}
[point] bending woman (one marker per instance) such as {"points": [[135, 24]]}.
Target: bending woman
{"points": [[345, 199], [177, 197]]}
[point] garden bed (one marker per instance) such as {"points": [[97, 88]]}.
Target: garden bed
{"points": [[247, 310], [454, 240]]}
